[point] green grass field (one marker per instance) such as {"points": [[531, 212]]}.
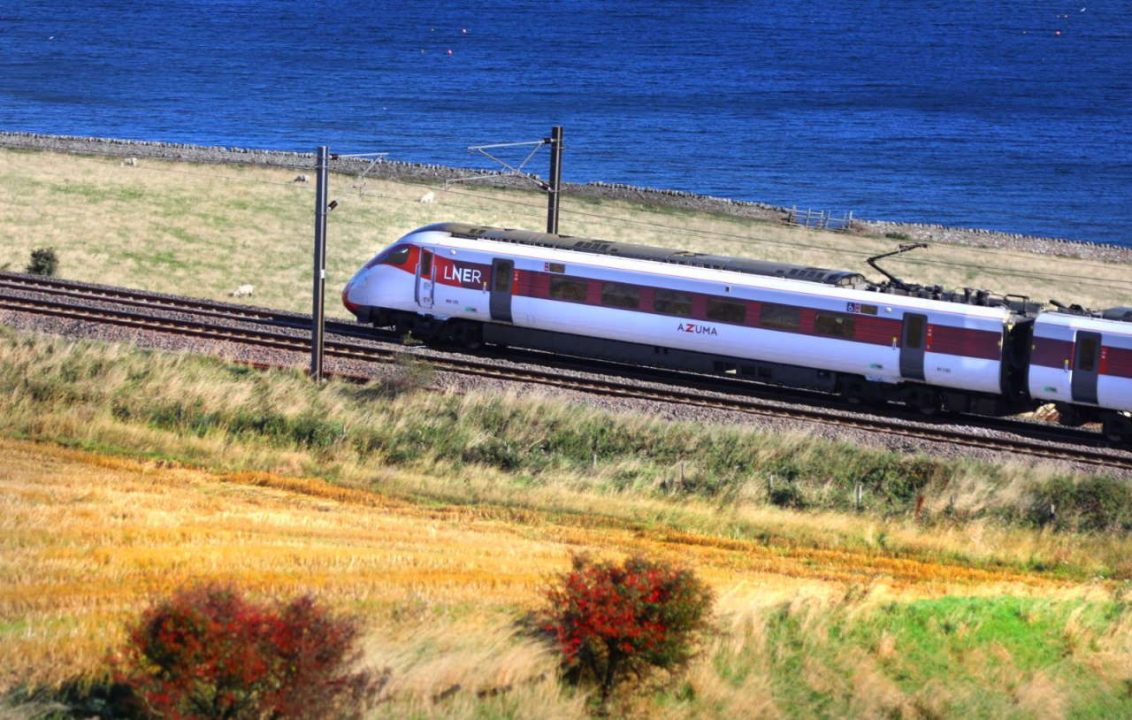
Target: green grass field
{"points": [[438, 518], [204, 230]]}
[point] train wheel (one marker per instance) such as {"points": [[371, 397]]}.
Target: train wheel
{"points": [[463, 334], [1069, 416], [860, 392], [1117, 429], [470, 335], [923, 399]]}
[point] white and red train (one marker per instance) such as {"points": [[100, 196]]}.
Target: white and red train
{"points": [[782, 324]]}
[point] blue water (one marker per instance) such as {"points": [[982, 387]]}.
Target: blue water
{"points": [[1014, 116]]}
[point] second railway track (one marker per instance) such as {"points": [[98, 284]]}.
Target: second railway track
{"points": [[260, 327]]}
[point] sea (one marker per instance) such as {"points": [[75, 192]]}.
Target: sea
{"points": [[1011, 115]]}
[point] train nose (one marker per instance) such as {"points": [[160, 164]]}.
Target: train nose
{"points": [[351, 306], [350, 296]]}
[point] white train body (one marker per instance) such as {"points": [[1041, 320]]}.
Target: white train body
{"points": [[883, 338], [1082, 360]]}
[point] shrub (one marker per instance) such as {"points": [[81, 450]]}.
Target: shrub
{"points": [[207, 652], [610, 620], [1095, 504], [787, 495], [43, 262]]}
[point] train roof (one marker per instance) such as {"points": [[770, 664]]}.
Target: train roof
{"points": [[1066, 315], [1123, 313], [1016, 304], [839, 278]]}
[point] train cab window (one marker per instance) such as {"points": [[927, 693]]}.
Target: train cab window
{"points": [[672, 302], [833, 324], [398, 257], [780, 317], [391, 256], [1087, 355], [728, 311], [563, 288], [620, 296], [426, 263]]}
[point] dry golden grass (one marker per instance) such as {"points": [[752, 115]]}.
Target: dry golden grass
{"points": [[86, 540], [203, 230]]}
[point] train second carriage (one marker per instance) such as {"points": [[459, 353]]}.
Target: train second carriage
{"points": [[1082, 362], [799, 326]]}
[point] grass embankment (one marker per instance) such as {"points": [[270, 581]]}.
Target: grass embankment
{"points": [[204, 230], [438, 518]]}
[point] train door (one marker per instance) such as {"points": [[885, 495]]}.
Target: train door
{"points": [[1086, 367], [502, 278], [425, 284], [912, 345]]}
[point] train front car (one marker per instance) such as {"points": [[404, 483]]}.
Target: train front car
{"points": [[386, 288], [1083, 364]]}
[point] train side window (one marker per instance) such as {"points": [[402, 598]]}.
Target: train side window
{"points": [[620, 296], [780, 317], [562, 288], [833, 324], [426, 263], [728, 311], [1087, 355], [672, 302]]}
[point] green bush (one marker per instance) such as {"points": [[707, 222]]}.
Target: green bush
{"points": [[43, 262], [787, 495], [1095, 504]]}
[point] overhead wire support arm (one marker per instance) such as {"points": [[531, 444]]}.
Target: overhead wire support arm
{"points": [[893, 280], [511, 168], [551, 188], [374, 159]]}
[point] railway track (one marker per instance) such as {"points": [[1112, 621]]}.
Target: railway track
{"points": [[278, 330]]}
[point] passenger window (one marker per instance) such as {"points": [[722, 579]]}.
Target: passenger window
{"points": [[562, 288], [780, 317], [620, 296], [833, 324], [671, 302], [728, 311]]}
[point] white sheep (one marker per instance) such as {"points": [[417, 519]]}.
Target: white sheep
{"points": [[428, 198], [243, 291]]}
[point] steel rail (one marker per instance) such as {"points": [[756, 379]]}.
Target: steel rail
{"points": [[268, 329]]}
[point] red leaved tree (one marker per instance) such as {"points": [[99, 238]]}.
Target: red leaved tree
{"points": [[208, 652], [611, 620]]}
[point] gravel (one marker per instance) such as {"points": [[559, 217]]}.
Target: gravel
{"points": [[445, 381]]}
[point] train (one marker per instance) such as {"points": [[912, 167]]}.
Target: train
{"points": [[872, 343]]}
